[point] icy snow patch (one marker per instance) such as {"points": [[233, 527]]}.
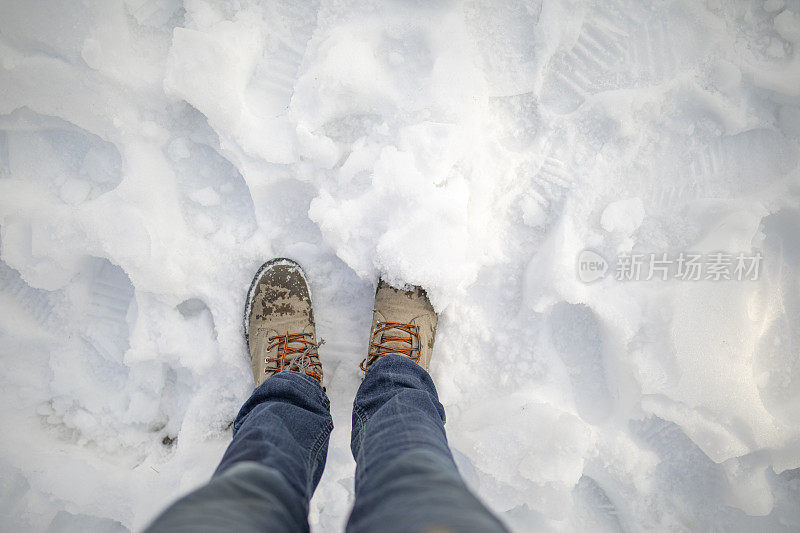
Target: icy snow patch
{"points": [[624, 216]]}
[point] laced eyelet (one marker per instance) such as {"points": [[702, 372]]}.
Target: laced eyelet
{"points": [[294, 352], [379, 349]]}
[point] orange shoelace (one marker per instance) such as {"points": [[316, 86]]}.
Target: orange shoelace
{"points": [[295, 351], [381, 349]]}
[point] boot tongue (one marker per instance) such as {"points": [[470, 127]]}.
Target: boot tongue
{"points": [[402, 346], [304, 360]]}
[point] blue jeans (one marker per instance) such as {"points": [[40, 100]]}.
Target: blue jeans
{"points": [[406, 479]]}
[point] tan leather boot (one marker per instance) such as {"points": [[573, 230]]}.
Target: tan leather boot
{"points": [[403, 322], [279, 322]]}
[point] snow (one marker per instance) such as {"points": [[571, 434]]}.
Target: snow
{"points": [[153, 153], [624, 216]]}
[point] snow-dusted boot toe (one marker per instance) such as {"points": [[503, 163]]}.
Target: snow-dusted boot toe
{"points": [[403, 322], [279, 322]]}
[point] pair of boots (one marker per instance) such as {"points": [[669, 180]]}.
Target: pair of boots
{"points": [[280, 332]]}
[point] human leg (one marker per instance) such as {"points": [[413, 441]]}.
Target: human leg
{"points": [[271, 468], [406, 479], [276, 458]]}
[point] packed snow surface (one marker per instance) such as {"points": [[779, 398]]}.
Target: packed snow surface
{"points": [[153, 153]]}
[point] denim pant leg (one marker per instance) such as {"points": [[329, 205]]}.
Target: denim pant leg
{"points": [[271, 468], [406, 479]]}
